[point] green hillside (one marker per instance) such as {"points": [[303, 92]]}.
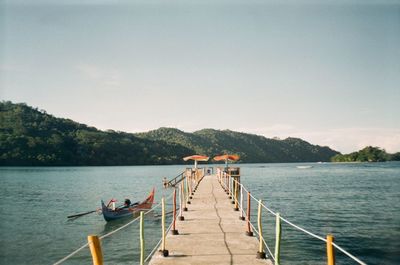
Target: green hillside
{"points": [[367, 154], [251, 148], [32, 137], [29, 136]]}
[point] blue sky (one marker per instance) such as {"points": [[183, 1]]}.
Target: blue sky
{"points": [[325, 71]]}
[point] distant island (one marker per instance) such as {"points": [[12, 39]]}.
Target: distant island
{"points": [[368, 154], [32, 137]]}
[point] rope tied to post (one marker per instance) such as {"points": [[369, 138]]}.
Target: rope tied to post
{"points": [[227, 185], [110, 233]]}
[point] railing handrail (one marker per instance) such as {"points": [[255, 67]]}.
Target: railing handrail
{"points": [[235, 184], [181, 176], [284, 220], [159, 243], [110, 233]]}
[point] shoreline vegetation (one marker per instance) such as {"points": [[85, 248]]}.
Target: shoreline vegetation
{"points": [[32, 137], [367, 154]]}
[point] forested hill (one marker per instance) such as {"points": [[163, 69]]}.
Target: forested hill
{"points": [[367, 154], [32, 137], [251, 148], [29, 136]]}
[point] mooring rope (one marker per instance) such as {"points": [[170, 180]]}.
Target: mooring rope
{"points": [[229, 188], [287, 222], [72, 254], [159, 242], [254, 228], [265, 243], [348, 254], [110, 233]]}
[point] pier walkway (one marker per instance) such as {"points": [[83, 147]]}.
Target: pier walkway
{"points": [[211, 232]]}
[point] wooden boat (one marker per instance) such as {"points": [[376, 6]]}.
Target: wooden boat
{"points": [[134, 209]]}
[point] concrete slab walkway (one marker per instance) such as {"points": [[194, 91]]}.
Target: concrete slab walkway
{"points": [[211, 232]]}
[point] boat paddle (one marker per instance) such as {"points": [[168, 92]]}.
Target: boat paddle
{"points": [[81, 214], [89, 212]]}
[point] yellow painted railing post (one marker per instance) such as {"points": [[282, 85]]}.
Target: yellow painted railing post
{"points": [[187, 189], [225, 176], [191, 185], [95, 249], [227, 183], [163, 249], [142, 238], [181, 218], [230, 186], [329, 250], [260, 253], [278, 229], [232, 190], [236, 195], [248, 232], [190, 180], [194, 176], [184, 195], [194, 182]]}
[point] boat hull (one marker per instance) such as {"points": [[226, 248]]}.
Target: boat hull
{"points": [[132, 211]]}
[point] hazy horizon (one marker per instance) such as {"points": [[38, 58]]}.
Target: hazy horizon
{"points": [[325, 72]]}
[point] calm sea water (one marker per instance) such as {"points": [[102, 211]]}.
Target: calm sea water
{"points": [[358, 203]]}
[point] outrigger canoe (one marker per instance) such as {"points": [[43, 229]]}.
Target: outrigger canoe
{"points": [[133, 210]]}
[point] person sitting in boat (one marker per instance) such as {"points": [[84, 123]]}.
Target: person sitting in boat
{"points": [[127, 203]]}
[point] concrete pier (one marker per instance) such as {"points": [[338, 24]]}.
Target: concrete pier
{"points": [[211, 232]]}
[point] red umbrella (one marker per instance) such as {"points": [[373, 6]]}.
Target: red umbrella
{"points": [[227, 158], [196, 158]]}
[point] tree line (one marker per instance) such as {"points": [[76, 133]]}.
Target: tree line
{"points": [[32, 137], [367, 154]]}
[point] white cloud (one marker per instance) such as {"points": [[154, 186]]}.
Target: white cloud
{"points": [[342, 139], [353, 139]]}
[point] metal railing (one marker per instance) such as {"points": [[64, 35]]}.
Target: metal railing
{"points": [[189, 184], [236, 191], [174, 181]]}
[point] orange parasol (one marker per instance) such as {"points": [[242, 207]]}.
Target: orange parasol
{"points": [[227, 158], [196, 158]]}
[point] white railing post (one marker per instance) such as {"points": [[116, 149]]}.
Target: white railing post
{"points": [[278, 229], [164, 251], [142, 246]]}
